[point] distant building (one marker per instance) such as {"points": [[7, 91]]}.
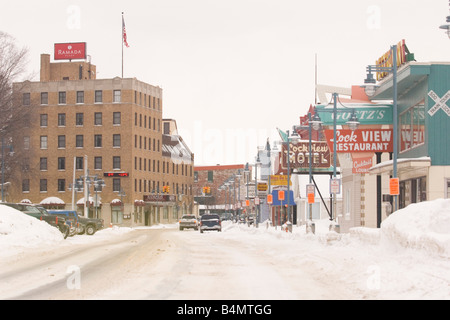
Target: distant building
{"points": [[220, 198], [111, 130]]}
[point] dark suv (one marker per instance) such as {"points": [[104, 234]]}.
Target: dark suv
{"points": [[40, 213], [210, 222]]}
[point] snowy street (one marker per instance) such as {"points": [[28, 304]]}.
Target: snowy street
{"points": [[240, 263]]}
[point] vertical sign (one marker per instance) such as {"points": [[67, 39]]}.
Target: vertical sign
{"points": [[394, 186]]}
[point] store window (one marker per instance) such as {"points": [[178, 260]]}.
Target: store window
{"points": [[413, 191], [412, 127]]}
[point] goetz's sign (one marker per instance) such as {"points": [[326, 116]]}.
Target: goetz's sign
{"points": [[363, 140], [69, 51], [381, 114], [299, 155]]}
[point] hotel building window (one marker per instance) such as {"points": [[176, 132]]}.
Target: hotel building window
{"points": [[62, 97], [43, 164], [43, 142], [44, 97], [117, 96], [26, 185], [61, 119], [116, 184], [79, 163], [98, 96], [43, 185], [44, 120], [80, 97], [79, 140], [79, 119], [116, 162], [116, 140], [61, 141], [61, 185], [98, 163], [61, 163], [98, 118], [116, 118], [97, 141], [26, 99]]}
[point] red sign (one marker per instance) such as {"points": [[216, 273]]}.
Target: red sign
{"points": [[69, 51], [116, 174], [362, 165], [394, 187], [363, 140]]}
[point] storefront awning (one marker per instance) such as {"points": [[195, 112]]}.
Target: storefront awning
{"points": [[403, 164]]}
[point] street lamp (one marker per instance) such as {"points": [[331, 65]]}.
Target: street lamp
{"points": [[314, 123], [352, 123], [370, 88], [446, 27]]}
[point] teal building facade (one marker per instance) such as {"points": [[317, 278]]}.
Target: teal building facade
{"points": [[423, 131]]}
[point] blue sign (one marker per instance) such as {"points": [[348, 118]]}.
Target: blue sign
{"points": [[277, 202]]}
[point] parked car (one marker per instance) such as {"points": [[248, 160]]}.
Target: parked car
{"points": [[84, 225], [71, 217], [210, 222], [40, 213], [90, 225], [188, 221]]}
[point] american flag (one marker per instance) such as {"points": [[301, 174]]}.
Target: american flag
{"points": [[124, 33]]}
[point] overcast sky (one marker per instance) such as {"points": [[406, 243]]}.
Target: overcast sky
{"points": [[232, 71]]}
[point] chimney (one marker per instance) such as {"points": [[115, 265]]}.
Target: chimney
{"points": [[45, 67]]}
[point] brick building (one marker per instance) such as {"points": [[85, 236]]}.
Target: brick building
{"points": [[108, 129], [220, 199]]}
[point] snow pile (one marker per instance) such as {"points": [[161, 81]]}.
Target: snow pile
{"points": [[424, 226], [18, 230]]}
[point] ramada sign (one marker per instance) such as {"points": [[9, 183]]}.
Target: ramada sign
{"points": [[363, 140], [69, 51]]}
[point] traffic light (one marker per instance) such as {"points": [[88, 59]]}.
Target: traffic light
{"points": [[206, 190]]}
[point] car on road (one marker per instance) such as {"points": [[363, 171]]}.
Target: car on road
{"points": [[40, 213], [188, 221], [210, 222]]}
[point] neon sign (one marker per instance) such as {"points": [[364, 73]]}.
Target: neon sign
{"points": [[386, 60], [116, 174]]}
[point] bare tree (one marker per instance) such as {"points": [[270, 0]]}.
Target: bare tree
{"points": [[15, 115]]}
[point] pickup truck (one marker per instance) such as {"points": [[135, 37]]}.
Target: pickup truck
{"points": [[40, 213], [90, 225], [84, 225]]}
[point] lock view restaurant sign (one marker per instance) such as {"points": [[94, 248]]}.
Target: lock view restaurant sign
{"points": [[362, 140]]}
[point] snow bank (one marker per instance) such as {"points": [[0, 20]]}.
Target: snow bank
{"points": [[424, 226], [18, 230]]}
